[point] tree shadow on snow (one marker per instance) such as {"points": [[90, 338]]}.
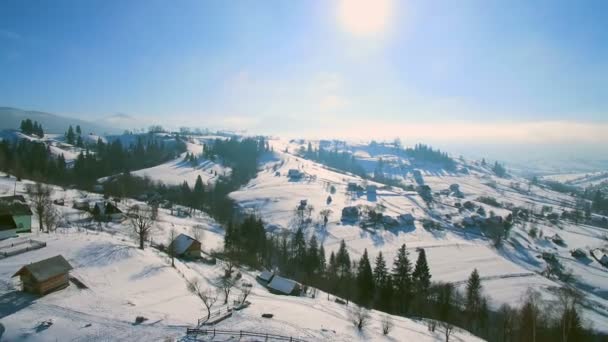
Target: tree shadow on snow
{"points": [[103, 254], [14, 301]]}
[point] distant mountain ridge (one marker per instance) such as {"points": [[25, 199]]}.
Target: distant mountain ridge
{"points": [[10, 118]]}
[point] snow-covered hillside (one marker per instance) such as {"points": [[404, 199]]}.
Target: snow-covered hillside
{"points": [[178, 170], [125, 282], [453, 252]]}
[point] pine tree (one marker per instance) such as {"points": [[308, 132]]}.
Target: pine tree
{"points": [[380, 271], [78, 131], [473, 299], [69, 136], [312, 257], [321, 264], [79, 142], [402, 273], [421, 277], [343, 261], [365, 280], [298, 247]]}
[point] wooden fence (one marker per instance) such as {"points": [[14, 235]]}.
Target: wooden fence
{"points": [[241, 333]]}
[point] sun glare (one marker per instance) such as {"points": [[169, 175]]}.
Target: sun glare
{"points": [[365, 17]]}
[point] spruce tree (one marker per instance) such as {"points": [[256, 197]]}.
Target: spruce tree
{"points": [[365, 280], [298, 247], [380, 271], [473, 300], [69, 136], [402, 273], [421, 277], [312, 257]]}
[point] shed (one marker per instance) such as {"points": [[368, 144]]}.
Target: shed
{"points": [[284, 286], [186, 246], [45, 276], [8, 227]]}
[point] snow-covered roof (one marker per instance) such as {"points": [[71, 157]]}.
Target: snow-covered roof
{"points": [[47, 268], [181, 243], [282, 285], [265, 275]]}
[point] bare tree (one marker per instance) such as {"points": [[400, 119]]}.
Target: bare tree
{"points": [[172, 246], [198, 232], [245, 292], [51, 218], [225, 284], [325, 214], [40, 195], [387, 324], [359, 316], [448, 328], [208, 296], [141, 220]]}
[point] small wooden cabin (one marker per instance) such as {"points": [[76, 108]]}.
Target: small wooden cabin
{"points": [[186, 246], [45, 276]]}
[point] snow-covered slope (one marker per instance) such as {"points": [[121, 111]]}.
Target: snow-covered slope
{"points": [[453, 252], [125, 282], [178, 170]]}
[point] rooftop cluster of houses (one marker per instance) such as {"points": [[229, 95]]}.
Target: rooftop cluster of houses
{"points": [[15, 216], [352, 213], [279, 285]]}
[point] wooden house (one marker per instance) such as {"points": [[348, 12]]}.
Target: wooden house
{"points": [[17, 207], [45, 276], [186, 246]]}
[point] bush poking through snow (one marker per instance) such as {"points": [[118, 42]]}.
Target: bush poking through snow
{"points": [[359, 316], [387, 324]]}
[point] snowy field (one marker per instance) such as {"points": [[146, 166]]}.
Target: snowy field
{"points": [[452, 252], [125, 282], [176, 171]]}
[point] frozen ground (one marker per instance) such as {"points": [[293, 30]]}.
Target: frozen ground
{"points": [[125, 282], [453, 252]]}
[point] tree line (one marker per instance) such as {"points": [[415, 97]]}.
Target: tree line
{"points": [[33, 128], [34, 160], [405, 288]]}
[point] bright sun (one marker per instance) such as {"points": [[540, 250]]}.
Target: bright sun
{"points": [[365, 17]]}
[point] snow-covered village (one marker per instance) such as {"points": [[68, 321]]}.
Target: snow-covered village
{"points": [[303, 171]]}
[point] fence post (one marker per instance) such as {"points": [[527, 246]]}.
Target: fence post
{"points": [[241, 333]]}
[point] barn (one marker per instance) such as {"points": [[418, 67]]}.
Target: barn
{"points": [[45, 276], [186, 246]]}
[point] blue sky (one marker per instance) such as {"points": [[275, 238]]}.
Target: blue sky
{"points": [[530, 71]]}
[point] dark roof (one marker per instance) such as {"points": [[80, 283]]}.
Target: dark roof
{"points": [[18, 198], [47, 268], [112, 209], [7, 222], [14, 208]]}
